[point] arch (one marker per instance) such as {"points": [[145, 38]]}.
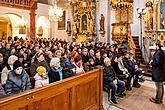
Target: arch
{"points": [[43, 22], [13, 23], [12, 14]]}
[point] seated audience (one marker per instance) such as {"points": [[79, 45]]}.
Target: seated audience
{"points": [[91, 64], [125, 72], [8, 68], [69, 69], [78, 64], [41, 77], [66, 60], [92, 54], [2, 63], [74, 54], [112, 81], [18, 80], [2, 91], [39, 61], [85, 59], [56, 72], [98, 61], [115, 66], [131, 65]]}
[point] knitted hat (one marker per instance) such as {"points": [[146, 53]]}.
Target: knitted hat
{"points": [[17, 64], [41, 70]]}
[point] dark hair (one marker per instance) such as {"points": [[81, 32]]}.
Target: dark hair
{"points": [[91, 59], [158, 43], [77, 59], [39, 53]]}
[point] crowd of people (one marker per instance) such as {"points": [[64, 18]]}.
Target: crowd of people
{"points": [[25, 64]]}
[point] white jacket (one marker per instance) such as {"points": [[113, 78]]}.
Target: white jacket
{"points": [[40, 81], [79, 69]]}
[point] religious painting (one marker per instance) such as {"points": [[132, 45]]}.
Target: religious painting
{"points": [[40, 31], [84, 22], [61, 22], [22, 29], [162, 15]]}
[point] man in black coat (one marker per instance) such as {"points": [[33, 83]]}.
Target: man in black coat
{"points": [[110, 78], [158, 73]]}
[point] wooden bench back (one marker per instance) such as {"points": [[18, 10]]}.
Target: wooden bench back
{"points": [[81, 92]]}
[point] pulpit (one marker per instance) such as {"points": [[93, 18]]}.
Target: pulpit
{"points": [[119, 32], [122, 32]]}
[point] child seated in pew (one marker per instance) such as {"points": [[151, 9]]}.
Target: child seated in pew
{"points": [[41, 77], [112, 81]]}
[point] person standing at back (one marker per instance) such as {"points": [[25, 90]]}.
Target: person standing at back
{"points": [[158, 73]]}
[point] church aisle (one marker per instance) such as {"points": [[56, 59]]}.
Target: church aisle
{"points": [[137, 99]]}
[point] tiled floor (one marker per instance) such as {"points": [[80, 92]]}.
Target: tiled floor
{"points": [[137, 99]]}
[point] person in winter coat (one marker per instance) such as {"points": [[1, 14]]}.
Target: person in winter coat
{"points": [[158, 73], [98, 61], [39, 61], [2, 91], [18, 80], [125, 71], [111, 80], [85, 59], [130, 65], [8, 68], [56, 72], [2, 63], [41, 77], [91, 64]]}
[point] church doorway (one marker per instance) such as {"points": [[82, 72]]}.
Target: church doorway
{"points": [[5, 27], [12, 25]]}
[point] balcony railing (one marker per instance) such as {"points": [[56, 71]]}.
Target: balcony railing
{"points": [[23, 4]]}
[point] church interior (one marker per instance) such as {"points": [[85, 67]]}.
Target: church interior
{"points": [[82, 54]]}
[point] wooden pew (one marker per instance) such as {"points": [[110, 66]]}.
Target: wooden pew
{"points": [[81, 92]]}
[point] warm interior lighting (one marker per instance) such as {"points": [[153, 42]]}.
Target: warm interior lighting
{"points": [[22, 21], [55, 12]]}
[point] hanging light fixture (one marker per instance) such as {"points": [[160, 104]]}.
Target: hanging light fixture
{"points": [[55, 12]]}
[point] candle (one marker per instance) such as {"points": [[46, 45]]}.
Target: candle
{"points": [[154, 37], [158, 37]]}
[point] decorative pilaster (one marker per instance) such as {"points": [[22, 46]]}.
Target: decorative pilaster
{"points": [[32, 22]]}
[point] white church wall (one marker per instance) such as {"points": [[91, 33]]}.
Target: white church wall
{"points": [[55, 33], [15, 15], [109, 14], [41, 11], [135, 26], [103, 9], [112, 20], [45, 24]]}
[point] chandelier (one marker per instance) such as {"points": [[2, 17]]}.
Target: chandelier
{"points": [[55, 12]]}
